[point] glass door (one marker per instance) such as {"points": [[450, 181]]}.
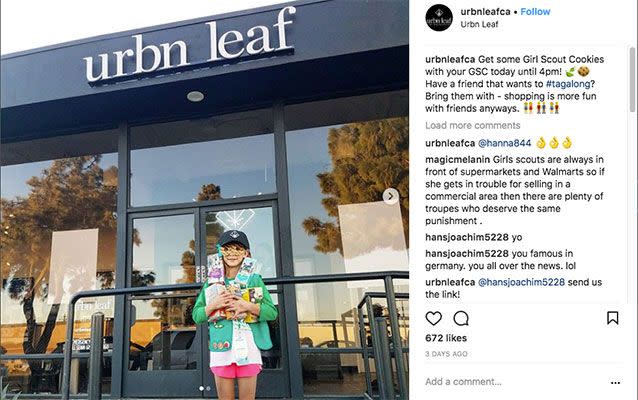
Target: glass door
{"points": [[168, 353], [257, 220], [165, 357]]}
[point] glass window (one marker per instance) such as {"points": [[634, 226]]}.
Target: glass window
{"points": [[343, 154], [327, 312], [328, 319], [44, 376], [402, 287], [163, 250], [58, 233], [257, 223], [224, 156], [335, 374], [163, 333]]}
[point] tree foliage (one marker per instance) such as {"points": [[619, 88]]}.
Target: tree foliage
{"points": [[73, 193], [367, 158]]}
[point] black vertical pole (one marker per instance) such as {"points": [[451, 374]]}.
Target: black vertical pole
{"points": [[382, 354], [118, 360], [95, 359], [289, 293], [376, 349], [68, 349], [396, 337], [364, 345]]}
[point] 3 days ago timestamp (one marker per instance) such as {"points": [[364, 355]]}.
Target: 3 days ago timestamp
{"points": [[433, 353]]}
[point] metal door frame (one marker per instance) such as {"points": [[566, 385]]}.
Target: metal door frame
{"points": [[137, 383]]}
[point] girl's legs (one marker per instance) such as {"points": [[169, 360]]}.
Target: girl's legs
{"points": [[226, 388], [247, 387]]}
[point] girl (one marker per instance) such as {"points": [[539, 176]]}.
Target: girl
{"points": [[234, 344]]}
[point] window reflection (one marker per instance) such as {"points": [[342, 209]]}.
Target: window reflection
{"points": [[205, 159], [44, 376], [335, 374], [342, 155], [58, 237], [163, 334], [163, 250], [402, 287], [257, 223], [331, 322], [328, 312]]}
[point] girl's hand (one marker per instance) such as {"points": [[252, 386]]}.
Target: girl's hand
{"points": [[239, 316], [240, 306], [223, 300]]}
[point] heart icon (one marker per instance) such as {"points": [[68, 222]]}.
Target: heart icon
{"points": [[433, 317]]}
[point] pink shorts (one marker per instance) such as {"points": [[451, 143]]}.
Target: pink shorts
{"points": [[236, 371]]}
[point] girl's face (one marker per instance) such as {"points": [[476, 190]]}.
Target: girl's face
{"points": [[233, 254]]}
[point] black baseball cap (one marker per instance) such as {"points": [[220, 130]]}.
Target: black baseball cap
{"points": [[234, 236]]}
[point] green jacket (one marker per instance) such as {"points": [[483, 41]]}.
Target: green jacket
{"points": [[220, 333]]}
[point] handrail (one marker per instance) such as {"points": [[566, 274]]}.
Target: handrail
{"points": [[398, 348], [375, 295], [286, 280]]}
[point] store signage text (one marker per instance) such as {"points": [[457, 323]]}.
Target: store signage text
{"points": [[223, 46]]}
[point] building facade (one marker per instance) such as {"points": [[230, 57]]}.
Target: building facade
{"points": [[125, 156]]}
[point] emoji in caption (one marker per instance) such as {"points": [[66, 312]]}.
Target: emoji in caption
{"points": [[567, 143], [583, 71], [553, 143], [541, 143]]}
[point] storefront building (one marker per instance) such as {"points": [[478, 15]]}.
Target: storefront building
{"points": [[125, 156]]}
